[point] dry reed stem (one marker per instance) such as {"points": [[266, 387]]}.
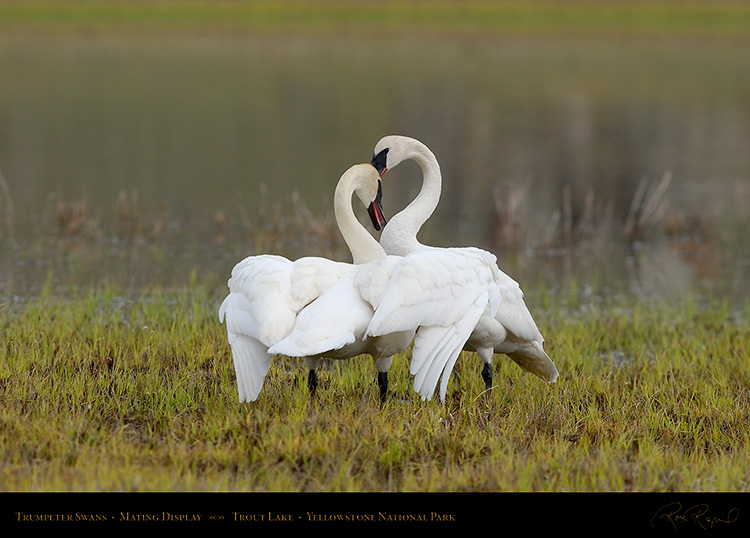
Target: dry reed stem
{"points": [[591, 226], [6, 206], [511, 214], [647, 209]]}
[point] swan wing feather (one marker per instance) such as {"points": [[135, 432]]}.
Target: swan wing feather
{"points": [[436, 350], [311, 276], [337, 318], [251, 363], [433, 287], [512, 311]]}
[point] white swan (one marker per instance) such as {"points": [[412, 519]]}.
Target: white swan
{"points": [[378, 306], [333, 325], [267, 292], [511, 328]]}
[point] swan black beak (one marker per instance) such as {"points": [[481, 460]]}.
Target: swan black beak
{"points": [[375, 210], [380, 160]]}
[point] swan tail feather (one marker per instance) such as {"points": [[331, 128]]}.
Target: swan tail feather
{"points": [[532, 358], [251, 364], [436, 350], [432, 348]]}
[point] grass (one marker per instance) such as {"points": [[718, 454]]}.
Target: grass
{"points": [[724, 18], [101, 391]]}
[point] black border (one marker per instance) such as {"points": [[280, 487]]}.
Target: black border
{"points": [[653, 513]]}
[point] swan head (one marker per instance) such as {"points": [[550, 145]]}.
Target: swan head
{"points": [[391, 150]]}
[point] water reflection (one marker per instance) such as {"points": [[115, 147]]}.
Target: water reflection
{"points": [[145, 160]]}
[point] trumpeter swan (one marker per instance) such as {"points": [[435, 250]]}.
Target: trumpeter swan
{"points": [[383, 301], [511, 328], [333, 325], [267, 292]]}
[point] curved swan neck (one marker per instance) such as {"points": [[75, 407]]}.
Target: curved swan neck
{"points": [[400, 234], [427, 200], [363, 247]]}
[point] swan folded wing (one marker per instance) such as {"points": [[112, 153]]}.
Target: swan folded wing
{"points": [[268, 291], [513, 313], [251, 363], [258, 304], [312, 276], [336, 319], [372, 279], [434, 288], [249, 355], [436, 349], [256, 314], [440, 293]]}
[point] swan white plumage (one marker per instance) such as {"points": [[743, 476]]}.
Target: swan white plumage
{"points": [[510, 328], [267, 292], [333, 325], [380, 304], [440, 293]]}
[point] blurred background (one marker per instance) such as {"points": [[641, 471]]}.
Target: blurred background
{"points": [[602, 147]]}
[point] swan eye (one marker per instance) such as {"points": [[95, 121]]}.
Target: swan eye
{"points": [[380, 161]]}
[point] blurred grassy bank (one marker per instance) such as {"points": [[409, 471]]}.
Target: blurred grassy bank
{"points": [[691, 18]]}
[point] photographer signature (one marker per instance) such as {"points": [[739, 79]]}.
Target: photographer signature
{"points": [[674, 514]]}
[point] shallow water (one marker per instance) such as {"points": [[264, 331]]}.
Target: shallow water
{"points": [[146, 160]]}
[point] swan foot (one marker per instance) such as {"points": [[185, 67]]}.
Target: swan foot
{"points": [[383, 385], [312, 382], [487, 375]]}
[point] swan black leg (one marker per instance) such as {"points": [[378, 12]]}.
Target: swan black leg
{"points": [[383, 384], [487, 375], [312, 381]]}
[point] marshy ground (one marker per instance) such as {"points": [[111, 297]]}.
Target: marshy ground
{"points": [[111, 392]]}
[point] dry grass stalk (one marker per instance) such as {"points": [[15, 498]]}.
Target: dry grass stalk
{"points": [[592, 226], [296, 232], [647, 209], [509, 206], [75, 221], [221, 227], [130, 222], [596, 220], [567, 212], [548, 239], [7, 210], [305, 219], [71, 216], [127, 213]]}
